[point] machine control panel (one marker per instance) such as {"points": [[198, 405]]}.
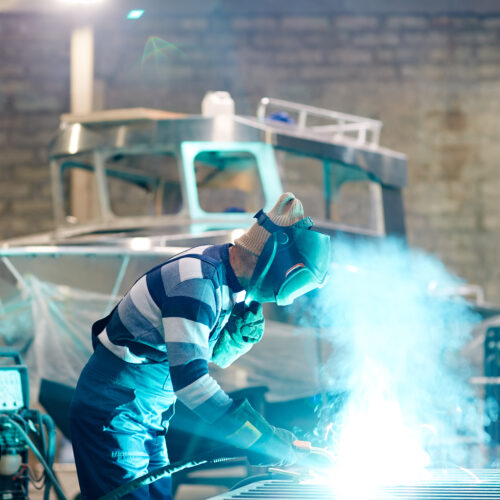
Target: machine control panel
{"points": [[11, 395]]}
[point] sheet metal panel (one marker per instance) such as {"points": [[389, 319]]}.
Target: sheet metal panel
{"points": [[443, 485]]}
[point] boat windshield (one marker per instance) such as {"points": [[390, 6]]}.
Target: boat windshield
{"points": [[150, 185], [228, 181], [136, 185], [144, 185], [351, 198]]}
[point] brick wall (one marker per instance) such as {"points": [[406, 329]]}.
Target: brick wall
{"points": [[433, 79], [34, 81]]}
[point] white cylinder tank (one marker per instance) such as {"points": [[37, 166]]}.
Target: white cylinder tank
{"points": [[217, 103]]}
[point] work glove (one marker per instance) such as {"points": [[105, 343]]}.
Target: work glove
{"points": [[244, 328], [265, 444]]}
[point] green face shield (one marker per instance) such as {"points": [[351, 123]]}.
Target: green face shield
{"points": [[293, 262]]}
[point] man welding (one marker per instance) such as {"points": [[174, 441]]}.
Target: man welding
{"points": [[154, 347]]}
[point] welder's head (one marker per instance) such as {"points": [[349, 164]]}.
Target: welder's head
{"points": [[292, 259]]}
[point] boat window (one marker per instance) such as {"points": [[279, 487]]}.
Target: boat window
{"points": [[228, 181], [340, 193], [143, 185]]}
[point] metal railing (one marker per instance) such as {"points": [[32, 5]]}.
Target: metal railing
{"points": [[364, 131]]}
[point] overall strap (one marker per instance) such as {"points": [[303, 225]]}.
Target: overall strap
{"points": [[264, 221], [101, 324]]}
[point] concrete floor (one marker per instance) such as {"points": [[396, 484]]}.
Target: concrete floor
{"points": [[66, 474]]}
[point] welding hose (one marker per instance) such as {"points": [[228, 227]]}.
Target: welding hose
{"points": [[47, 444], [222, 455], [39, 456]]}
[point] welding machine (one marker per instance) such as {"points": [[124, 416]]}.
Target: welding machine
{"points": [[23, 429]]}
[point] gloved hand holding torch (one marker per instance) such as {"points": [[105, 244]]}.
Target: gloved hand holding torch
{"points": [[265, 444]]}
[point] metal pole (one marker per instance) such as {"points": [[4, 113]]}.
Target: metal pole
{"points": [[81, 102], [21, 281]]}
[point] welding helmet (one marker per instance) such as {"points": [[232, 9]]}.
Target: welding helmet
{"points": [[293, 261]]}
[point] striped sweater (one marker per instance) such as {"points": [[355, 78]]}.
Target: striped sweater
{"points": [[174, 313]]}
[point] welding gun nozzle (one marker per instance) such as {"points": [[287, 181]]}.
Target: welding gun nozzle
{"points": [[317, 458], [304, 446]]}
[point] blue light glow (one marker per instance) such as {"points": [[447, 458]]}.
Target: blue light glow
{"points": [[396, 335], [135, 14]]}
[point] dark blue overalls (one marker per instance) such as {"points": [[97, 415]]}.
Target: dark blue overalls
{"points": [[119, 419]]}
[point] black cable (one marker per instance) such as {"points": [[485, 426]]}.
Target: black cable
{"points": [[38, 454], [37, 486], [33, 478], [168, 470]]}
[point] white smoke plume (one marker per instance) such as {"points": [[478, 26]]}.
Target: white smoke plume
{"points": [[396, 330]]}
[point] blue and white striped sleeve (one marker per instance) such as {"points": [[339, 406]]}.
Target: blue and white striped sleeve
{"points": [[189, 315]]}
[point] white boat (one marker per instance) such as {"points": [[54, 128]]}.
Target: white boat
{"points": [[165, 182]]}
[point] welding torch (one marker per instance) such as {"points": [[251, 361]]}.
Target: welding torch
{"points": [[313, 456]]}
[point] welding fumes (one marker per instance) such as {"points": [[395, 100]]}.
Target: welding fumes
{"points": [[396, 353]]}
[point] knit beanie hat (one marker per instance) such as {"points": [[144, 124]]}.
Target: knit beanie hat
{"points": [[287, 211]]}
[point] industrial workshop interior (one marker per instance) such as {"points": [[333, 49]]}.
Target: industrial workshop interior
{"points": [[249, 249]]}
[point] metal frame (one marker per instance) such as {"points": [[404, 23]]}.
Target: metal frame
{"points": [[84, 251], [266, 166], [367, 130], [98, 167]]}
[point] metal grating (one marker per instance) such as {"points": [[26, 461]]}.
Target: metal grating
{"points": [[460, 484]]}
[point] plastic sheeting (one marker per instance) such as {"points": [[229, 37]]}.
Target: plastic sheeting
{"points": [[288, 361], [50, 326]]}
